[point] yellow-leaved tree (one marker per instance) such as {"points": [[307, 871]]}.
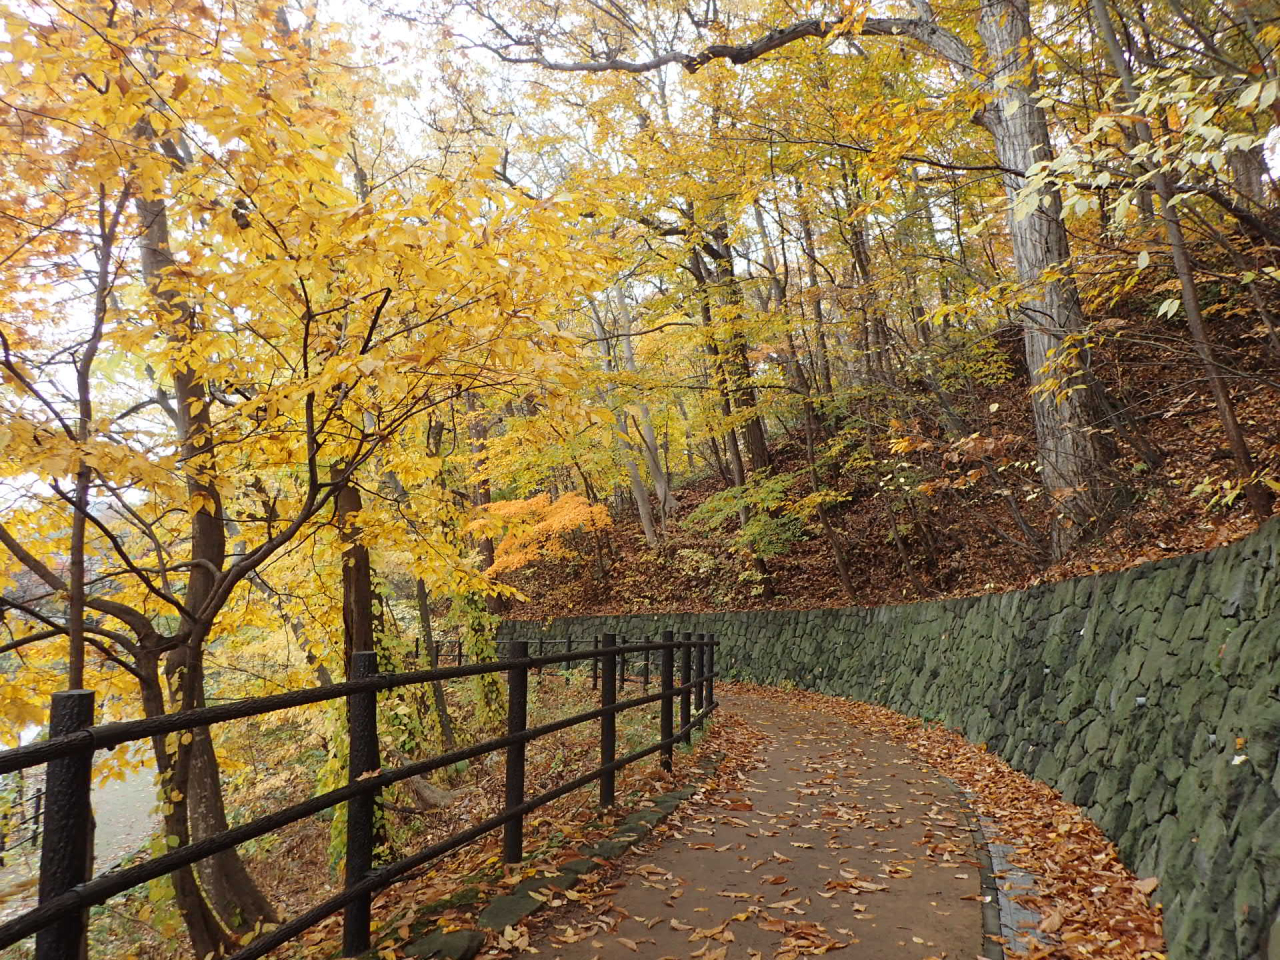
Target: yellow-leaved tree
{"points": [[214, 332]]}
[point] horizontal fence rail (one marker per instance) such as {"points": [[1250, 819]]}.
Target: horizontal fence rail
{"points": [[59, 920]]}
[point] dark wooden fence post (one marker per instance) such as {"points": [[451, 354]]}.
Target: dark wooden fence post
{"points": [[685, 697], [517, 722], [711, 670], [608, 722], [362, 757], [700, 675], [595, 664], [64, 856], [667, 670]]}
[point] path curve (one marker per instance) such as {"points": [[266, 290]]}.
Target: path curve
{"points": [[838, 844]]}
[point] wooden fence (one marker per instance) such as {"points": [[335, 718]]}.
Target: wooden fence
{"points": [[59, 920]]}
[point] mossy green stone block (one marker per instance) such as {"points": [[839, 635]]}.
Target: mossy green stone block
{"points": [[580, 866], [1260, 651], [1097, 736], [1189, 934], [1110, 788], [1048, 768], [1143, 779], [1273, 940], [1158, 802], [1170, 617], [565, 880], [1212, 855], [1154, 663], [447, 945], [507, 910], [1222, 932]]}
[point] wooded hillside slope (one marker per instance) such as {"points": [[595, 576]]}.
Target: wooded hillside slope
{"points": [[958, 532]]}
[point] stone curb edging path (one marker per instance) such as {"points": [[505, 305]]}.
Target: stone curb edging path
{"points": [[1004, 919]]}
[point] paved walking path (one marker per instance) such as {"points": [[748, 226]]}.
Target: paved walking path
{"points": [[837, 841]]}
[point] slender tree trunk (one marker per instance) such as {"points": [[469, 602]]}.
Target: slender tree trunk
{"points": [[232, 892], [207, 936], [714, 446], [829, 532], [905, 557], [731, 438], [875, 340], [737, 365], [688, 434], [1259, 498], [821, 366], [108, 222], [76, 569]]}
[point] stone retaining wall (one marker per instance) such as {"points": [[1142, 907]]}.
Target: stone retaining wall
{"points": [[1125, 691]]}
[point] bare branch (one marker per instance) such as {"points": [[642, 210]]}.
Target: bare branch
{"points": [[925, 31]]}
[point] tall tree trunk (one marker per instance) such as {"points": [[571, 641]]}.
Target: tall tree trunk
{"points": [[358, 618], [622, 437], [829, 532], [821, 366], [478, 433], [649, 439], [1074, 448], [688, 433], [433, 652], [731, 438], [207, 936], [905, 556], [232, 893], [875, 330], [737, 366], [714, 446]]}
